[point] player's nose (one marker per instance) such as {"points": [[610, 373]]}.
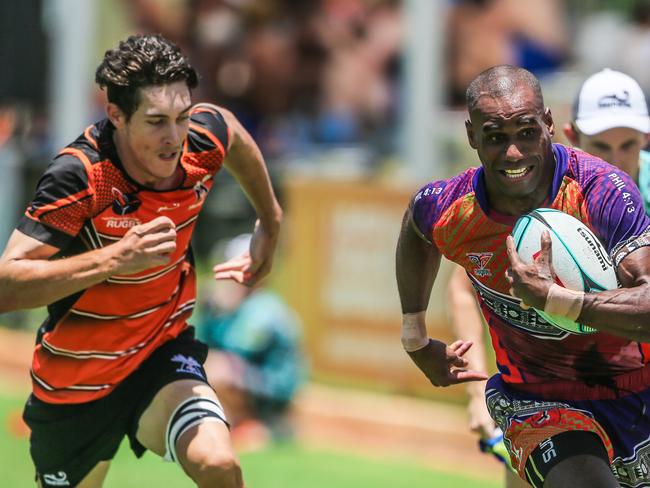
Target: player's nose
{"points": [[513, 153]]}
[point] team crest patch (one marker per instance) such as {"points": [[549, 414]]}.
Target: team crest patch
{"points": [[187, 364], [480, 260], [124, 203]]}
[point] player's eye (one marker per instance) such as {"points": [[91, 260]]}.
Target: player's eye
{"points": [[495, 138], [528, 133], [184, 118], [155, 122]]}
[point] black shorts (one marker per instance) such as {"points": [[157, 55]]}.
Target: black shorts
{"points": [[68, 440]]}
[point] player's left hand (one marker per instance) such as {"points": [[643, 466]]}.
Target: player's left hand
{"points": [[253, 265], [530, 282]]}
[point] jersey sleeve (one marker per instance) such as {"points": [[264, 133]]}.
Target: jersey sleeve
{"points": [[208, 130], [62, 204], [426, 207], [615, 207]]}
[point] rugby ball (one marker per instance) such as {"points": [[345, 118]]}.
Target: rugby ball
{"points": [[579, 259]]}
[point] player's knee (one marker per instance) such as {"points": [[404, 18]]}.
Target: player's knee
{"points": [[209, 468]]}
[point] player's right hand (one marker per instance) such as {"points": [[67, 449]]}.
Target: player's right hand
{"points": [[145, 246], [445, 365]]}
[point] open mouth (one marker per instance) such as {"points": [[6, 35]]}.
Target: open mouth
{"points": [[168, 156], [516, 174]]}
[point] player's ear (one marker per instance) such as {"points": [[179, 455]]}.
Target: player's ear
{"points": [[548, 120], [115, 115], [470, 133], [571, 134]]}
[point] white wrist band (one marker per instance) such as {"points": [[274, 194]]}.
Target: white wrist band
{"points": [[414, 332], [564, 302]]}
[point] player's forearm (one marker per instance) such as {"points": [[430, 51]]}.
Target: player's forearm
{"points": [[246, 163], [28, 283], [623, 312], [417, 264]]}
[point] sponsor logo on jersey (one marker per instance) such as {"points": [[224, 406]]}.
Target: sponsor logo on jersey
{"points": [[166, 208], [124, 203], [200, 192], [480, 260], [118, 223], [56, 479], [188, 365], [509, 310]]}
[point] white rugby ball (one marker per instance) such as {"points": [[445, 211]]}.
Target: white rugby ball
{"points": [[579, 259]]}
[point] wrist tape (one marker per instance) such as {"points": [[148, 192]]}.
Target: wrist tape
{"points": [[414, 332], [564, 302]]}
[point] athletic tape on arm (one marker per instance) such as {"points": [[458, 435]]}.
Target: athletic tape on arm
{"points": [[414, 331]]}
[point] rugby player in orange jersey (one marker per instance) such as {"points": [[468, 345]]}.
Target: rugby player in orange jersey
{"points": [[572, 406], [105, 243]]}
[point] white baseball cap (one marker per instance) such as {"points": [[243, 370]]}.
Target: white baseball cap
{"points": [[610, 99]]}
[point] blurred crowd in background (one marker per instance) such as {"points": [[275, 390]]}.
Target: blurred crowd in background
{"points": [[318, 83], [310, 76]]}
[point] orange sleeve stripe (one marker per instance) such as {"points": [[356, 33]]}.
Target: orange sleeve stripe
{"points": [[91, 138], [86, 162], [203, 107], [210, 136], [62, 202]]}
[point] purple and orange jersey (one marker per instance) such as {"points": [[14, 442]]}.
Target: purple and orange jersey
{"points": [[454, 215], [93, 339]]}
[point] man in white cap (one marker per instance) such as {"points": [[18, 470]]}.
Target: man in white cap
{"points": [[610, 120]]}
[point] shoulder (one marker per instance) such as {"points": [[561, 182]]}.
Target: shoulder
{"points": [[431, 201], [584, 167], [208, 128]]}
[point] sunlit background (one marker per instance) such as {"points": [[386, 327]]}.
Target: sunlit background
{"points": [[355, 104]]}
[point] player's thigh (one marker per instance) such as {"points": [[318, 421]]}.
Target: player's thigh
{"points": [[154, 421], [582, 471], [572, 459], [95, 479]]}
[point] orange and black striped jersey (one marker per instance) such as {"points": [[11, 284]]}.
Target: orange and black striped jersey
{"points": [[93, 339]]}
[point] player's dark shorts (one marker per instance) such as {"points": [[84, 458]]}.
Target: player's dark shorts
{"points": [[622, 424], [68, 440]]}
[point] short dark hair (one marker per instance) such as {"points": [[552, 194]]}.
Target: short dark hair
{"points": [[140, 61], [501, 81]]}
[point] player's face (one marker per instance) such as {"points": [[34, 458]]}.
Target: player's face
{"points": [[512, 136], [619, 146], [152, 139]]}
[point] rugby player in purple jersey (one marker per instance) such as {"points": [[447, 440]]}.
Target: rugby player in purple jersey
{"points": [[572, 407]]}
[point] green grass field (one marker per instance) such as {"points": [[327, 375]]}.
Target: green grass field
{"points": [[281, 466]]}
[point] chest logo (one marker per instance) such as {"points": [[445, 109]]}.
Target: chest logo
{"points": [[124, 203], [480, 261]]}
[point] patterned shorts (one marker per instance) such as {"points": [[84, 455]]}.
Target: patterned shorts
{"points": [[623, 425]]}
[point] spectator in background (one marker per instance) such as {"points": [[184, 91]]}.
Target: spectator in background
{"points": [[254, 363], [485, 33], [298, 74], [610, 120]]}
